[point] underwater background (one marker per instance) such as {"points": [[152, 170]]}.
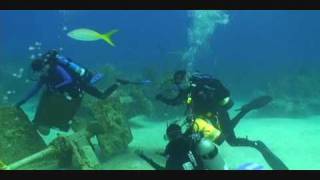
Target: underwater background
{"points": [[253, 53]]}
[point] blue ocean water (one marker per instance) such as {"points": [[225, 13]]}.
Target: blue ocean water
{"points": [[253, 52], [265, 43]]}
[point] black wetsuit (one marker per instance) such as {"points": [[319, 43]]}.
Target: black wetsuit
{"points": [[206, 98], [178, 152]]}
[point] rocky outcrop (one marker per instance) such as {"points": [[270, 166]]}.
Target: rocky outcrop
{"points": [[18, 138]]}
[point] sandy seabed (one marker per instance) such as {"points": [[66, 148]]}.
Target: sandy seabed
{"points": [[295, 141]]}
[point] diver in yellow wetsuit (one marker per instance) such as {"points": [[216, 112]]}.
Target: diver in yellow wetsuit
{"points": [[208, 102]]}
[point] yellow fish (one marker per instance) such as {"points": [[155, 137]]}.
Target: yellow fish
{"points": [[84, 34]]}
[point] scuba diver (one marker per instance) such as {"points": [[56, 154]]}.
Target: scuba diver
{"points": [[66, 78], [208, 102], [185, 152]]}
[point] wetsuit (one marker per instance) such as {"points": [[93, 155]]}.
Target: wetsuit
{"points": [[181, 156], [206, 102], [61, 79]]}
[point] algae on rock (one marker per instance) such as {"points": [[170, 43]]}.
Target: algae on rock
{"points": [[18, 138], [118, 133]]}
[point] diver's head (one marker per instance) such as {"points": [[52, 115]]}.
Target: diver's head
{"points": [[51, 54], [173, 131], [179, 76], [37, 65], [42, 62]]}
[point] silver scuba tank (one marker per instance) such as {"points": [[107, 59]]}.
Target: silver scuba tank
{"points": [[210, 156]]}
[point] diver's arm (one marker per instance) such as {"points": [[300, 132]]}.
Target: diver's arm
{"points": [[31, 93], [223, 96], [223, 91], [67, 79], [178, 100], [155, 165]]}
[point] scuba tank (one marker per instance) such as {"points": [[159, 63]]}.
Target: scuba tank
{"points": [[211, 159], [80, 71]]}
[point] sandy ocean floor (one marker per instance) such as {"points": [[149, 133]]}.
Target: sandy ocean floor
{"points": [[295, 141]]}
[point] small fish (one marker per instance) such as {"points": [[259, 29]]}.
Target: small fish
{"points": [[21, 70], [27, 81], [32, 57], [13, 92], [5, 98], [37, 43], [39, 54], [65, 28], [9, 92], [61, 49], [83, 34], [31, 48], [14, 75]]}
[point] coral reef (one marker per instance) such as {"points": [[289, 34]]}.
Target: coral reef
{"points": [[18, 138], [118, 135], [110, 115], [294, 95]]}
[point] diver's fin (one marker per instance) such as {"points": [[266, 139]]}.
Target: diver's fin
{"points": [[256, 103], [107, 36], [274, 162], [143, 82]]}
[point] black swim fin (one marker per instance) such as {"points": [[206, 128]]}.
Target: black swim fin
{"points": [[256, 103], [125, 82]]}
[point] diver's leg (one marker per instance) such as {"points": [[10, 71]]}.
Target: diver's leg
{"points": [[234, 122], [273, 161], [93, 91], [228, 130], [110, 90], [155, 165]]}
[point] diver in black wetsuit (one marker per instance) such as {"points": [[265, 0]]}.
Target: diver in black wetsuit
{"points": [[180, 152], [60, 75], [208, 102]]}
